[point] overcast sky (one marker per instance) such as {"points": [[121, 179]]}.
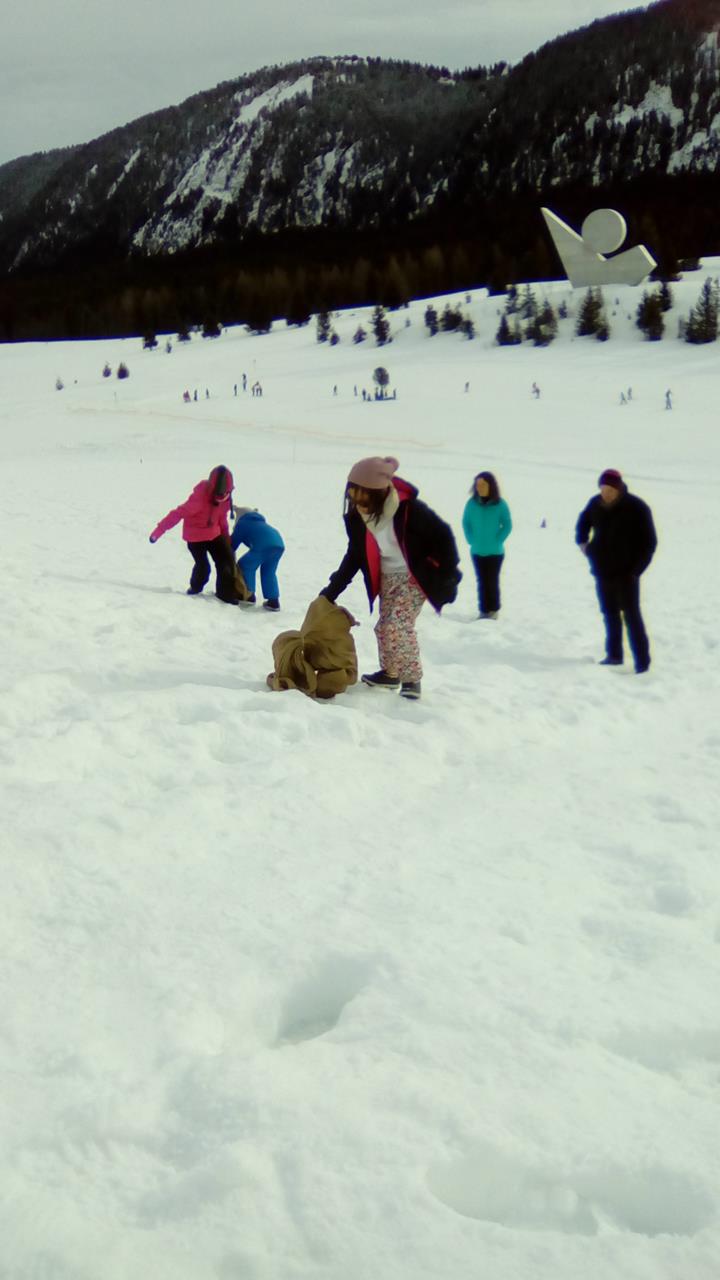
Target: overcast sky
{"points": [[72, 69]]}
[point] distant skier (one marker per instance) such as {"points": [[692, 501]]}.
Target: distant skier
{"points": [[668, 400]]}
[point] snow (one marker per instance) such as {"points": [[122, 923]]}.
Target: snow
{"points": [[273, 97], [416, 990], [658, 99]]}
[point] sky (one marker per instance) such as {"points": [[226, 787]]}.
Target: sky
{"points": [[70, 72]]}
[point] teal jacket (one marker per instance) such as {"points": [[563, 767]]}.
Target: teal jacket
{"points": [[486, 525]]}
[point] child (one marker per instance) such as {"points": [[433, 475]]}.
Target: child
{"points": [[205, 529], [265, 549], [406, 554], [486, 524]]}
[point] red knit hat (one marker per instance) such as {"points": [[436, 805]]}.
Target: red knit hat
{"points": [[611, 478], [373, 473]]}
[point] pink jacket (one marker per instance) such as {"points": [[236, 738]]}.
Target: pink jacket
{"points": [[203, 519]]}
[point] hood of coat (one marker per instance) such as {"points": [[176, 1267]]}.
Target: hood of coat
{"points": [[220, 484], [249, 515], [405, 490]]}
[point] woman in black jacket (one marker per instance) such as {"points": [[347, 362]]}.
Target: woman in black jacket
{"points": [[406, 554]]}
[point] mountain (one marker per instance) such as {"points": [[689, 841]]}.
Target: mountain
{"points": [[372, 158]]}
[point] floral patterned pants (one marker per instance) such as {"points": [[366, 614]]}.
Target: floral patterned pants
{"points": [[400, 603]]}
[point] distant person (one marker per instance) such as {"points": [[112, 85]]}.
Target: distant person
{"points": [[487, 524], [205, 530], [623, 399], [535, 391], [265, 547], [668, 400], [617, 534], [629, 393], [406, 554]]}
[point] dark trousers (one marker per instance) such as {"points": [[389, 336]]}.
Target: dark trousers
{"points": [[224, 568], [620, 598], [487, 572]]}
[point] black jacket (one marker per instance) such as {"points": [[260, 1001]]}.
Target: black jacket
{"points": [[427, 543], [621, 536]]}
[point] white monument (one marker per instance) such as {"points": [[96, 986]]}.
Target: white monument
{"points": [[583, 256]]}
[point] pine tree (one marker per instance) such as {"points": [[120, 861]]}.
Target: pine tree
{"points": [[589, 315], [543, 327], [380, 326], [702, 323], [505, 336], [359, 335], [323, 325], [649, 317], [431, 320], [666, 297], [149, 341]]}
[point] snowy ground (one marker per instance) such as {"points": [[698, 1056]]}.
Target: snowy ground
{"points": [[365, 988]]}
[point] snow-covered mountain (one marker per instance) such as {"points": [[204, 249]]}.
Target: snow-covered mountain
{"points": [[362, 143]]}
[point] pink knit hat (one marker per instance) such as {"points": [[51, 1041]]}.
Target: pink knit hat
{"points": [[373, 473]]}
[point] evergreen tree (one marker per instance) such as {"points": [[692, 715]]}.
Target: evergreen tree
{"points": [[359, 335], [183, 333], [323, 325], [380, 326], [666, 297], [431, 320], [511, 302], [527, 305], [334, 338], [381, 378], [702, 323], [107, 371], [542, 328], [211, 328], [591, 316], [451, 319], [468, 328], [122, 371], [505, 336], [149, 341], [649, 317]]}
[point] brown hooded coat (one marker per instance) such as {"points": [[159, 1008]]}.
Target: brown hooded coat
{"points": [[319, 659]]}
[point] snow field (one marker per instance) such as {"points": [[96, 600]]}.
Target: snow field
{"points": [[367, 987]]}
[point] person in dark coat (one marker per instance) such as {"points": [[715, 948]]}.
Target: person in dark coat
{"points": [[406, 554], [617, 534]]}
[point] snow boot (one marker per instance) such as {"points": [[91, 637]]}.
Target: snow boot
{"points": [[381, 680], [273, 604], [410, 689]]}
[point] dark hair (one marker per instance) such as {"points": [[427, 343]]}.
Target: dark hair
{"points": [[494, 487], [376, 501], [222, 484]]}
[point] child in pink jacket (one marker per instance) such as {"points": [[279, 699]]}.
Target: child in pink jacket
{"points": [[205, 529]]}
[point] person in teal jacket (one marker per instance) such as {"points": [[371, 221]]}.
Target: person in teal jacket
{"points": [[486, 524]]}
